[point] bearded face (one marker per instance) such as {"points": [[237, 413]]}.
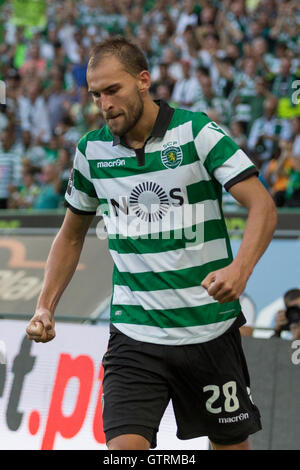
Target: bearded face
{"points": [[115, 91]]}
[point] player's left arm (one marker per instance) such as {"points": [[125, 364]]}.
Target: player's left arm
{"points": [[227, 284]]}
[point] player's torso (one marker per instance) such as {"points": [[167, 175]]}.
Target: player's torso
{"points": [[166, 233]]}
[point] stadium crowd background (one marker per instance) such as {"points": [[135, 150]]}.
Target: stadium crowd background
{"points": [[236, 60]]}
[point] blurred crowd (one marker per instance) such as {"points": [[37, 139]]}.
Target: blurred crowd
{"points": [[236, 60]]}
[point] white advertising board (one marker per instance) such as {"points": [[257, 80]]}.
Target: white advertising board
{"points": [[50, 394]]}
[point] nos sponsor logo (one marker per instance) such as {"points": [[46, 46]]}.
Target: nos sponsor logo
{"points": [[148, 200]]}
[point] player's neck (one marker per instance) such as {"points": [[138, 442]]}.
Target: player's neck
{"points": [[137, 136]]}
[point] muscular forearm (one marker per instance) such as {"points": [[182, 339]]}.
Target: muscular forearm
{"points": [[227, 284], [61, 265], [258, 233]]}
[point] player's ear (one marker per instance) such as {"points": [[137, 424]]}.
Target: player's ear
{"points": [[144, 81]]}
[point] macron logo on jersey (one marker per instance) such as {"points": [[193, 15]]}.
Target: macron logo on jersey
{"points": [[111, 163]]}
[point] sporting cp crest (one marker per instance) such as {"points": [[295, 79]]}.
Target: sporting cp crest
{"points": [[171, 156]]}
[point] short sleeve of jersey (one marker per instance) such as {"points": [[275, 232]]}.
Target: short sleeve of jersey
{"points": [[81, 196], [221, 156]]}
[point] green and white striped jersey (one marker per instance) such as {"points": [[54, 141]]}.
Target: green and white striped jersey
{"points": [[162, 208]]}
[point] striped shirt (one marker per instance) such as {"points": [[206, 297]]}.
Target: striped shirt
{"points": [[162, 208], [8, 174]]}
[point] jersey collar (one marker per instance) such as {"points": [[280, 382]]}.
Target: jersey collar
{"points": [[161, 124]]}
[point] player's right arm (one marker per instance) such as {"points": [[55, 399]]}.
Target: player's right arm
{"points": [[60, 267]]}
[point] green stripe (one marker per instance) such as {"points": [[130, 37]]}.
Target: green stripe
{"points": [[221, 152], [199, 121], [212, 229], [177, 317], [153, 162], [180, 116], [201, 191], [83, 184], [102, 134], [82, 144], [180, 279]]}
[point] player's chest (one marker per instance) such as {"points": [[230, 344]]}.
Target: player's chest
{"points": [[168, 169]]}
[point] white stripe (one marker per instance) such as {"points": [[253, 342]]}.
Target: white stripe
{"points": [[235, 165], [206, 140], [175, 336], [171, 260], [163, 299], [181, 135], [98, 149], [176, 218], [81, 164], [82, 201], [168, 179]]}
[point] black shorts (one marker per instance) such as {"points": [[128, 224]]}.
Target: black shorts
{"points": [[208, 384]]}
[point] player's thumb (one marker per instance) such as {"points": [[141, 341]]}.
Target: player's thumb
{"points": [[208, 280]]}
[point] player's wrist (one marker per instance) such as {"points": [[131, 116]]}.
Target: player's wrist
{"points": [[243, 266], [40, 310]]}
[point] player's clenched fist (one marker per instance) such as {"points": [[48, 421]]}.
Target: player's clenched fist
{"points": [[226, 284], [41, 327]]}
